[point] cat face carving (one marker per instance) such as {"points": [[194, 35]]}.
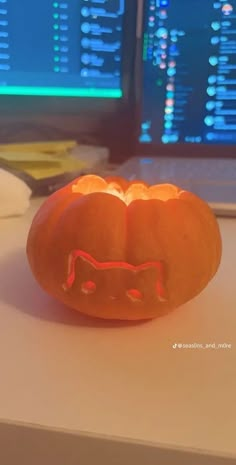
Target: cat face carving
{"points": [[114, 280]]}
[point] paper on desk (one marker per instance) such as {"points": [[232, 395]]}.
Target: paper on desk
{"points": [[27, 157], [40, 165], [14, 195], [43, 146]]}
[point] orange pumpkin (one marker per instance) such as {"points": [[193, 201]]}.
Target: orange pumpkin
{"points": [[123, 250]]}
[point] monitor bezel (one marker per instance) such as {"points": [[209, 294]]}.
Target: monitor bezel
{"points": [[14, 105], [167, 150]]}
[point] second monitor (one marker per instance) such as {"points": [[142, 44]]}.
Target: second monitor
{"points": [[70, 48]]}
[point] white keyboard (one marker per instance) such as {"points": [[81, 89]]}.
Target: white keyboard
{"points": [[214, 180], [182, 168]]}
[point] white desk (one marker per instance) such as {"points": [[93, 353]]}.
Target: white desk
{"points": [[61, 371]]}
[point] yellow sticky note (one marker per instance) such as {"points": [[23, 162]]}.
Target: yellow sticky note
{"points": [[41, 166], [66, 166], [47, 146], [19, 157]]}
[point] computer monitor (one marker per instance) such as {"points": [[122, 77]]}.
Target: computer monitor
{"points": [[67, 71], [71, 57], [65, 48], [188, 77]]}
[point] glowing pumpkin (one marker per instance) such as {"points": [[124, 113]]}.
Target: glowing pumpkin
{"points": [[123, 250]]}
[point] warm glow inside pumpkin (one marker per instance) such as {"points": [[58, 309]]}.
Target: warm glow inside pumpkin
{"points": [[135, 191], [123, 250]]}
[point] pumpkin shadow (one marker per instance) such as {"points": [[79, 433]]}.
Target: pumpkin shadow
{"points": [[19, 290]]}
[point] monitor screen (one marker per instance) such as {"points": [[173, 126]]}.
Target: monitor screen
{"points": [[68, 48], [189, 72]]}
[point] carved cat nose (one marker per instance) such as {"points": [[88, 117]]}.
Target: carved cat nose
{"points": [[133, 294]]}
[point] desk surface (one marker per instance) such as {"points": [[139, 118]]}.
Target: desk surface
{"points": [[59, 369]]}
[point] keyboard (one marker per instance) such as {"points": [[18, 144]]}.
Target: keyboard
{"points": [[181, 168], [214, 180]]}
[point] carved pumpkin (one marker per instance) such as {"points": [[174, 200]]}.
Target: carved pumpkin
{"points": [[123, 250]]}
